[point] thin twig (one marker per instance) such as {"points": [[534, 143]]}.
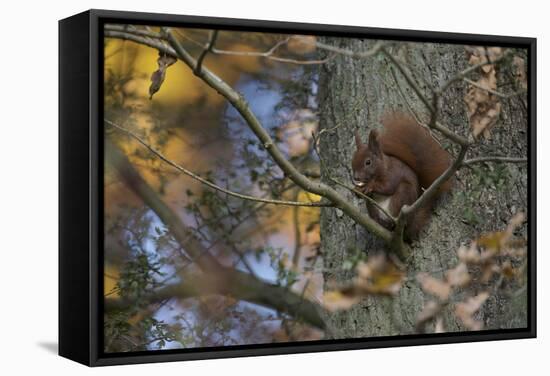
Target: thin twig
{"points": [[409, 106], [133, 30], [459, 76], [491, 91], [269, 54], [469, 162], [432, 189], [410, 80], [216, 279], [241, 105], [154, 43], [297, 233], [315, 144], [431, 105], [242, 258], [406, 211], [378, 47], [368, 198], [209, 183], [300, 62], [213, 37]]}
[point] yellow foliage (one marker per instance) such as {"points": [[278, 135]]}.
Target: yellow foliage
{"points": [[110, 279]]}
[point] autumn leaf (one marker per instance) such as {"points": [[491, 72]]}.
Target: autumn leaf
{"points": [[520, 71], [302, 44], [516, 221], [494, 240], [483, 106], [431, 309], [469, 255], [500, 240], [479, 262], [157, 78], [336, 300], [439, 328], [465, 310], [458, 276], [291, 331], [508, 270], [488, 270], [378, 276], [434, 286]]}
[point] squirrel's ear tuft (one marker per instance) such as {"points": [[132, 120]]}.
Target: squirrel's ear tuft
{"points": [[374, 145], [358, 141]]}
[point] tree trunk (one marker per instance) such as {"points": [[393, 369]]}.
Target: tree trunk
{"points": [[354, 94]]}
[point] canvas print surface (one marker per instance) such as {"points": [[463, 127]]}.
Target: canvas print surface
{"points": [[279, 188]]}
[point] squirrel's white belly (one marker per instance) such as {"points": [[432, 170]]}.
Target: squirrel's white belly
{"points": [[382, 200]]}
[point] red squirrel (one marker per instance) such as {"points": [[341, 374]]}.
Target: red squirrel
{"points": [[394, 168]]}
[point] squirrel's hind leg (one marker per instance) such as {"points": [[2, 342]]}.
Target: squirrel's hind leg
{"points": [[406, 194]]}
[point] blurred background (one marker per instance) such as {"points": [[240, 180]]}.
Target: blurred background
{"points": [[194, 126]]}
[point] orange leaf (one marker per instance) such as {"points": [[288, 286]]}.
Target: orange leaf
{"points": [[434, 286]]}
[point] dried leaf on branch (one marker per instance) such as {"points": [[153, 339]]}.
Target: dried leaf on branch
{"points": [[430, 311], [158, 76], [377, 276], [497, 253], [458, 276], [434, 286], [465, 311], [520, 71], [483, 106]]}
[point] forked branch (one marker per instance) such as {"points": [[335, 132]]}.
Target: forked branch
{"points": [[174, 48], [242, 106], [216, 278]]}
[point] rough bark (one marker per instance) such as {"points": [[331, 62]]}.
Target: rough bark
{"points": [[354, 94]]}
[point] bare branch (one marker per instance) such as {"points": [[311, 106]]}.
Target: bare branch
{"points": [[213, 37], [364, 196], [397, 242], [410, 80], [133, 180], [459, 76], [230, 282], [209, 183], [431, 105], [491, 91], [133, 30], [221, 280], [300, 62], [241, 105], [378, 47], [269, 54], [434, 188], [154, 43], [469, 162], [312, 174]]}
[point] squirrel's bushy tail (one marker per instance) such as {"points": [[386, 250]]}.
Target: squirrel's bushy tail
{"points": [[413, 144]]}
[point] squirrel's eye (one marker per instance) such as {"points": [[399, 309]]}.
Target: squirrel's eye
{"points": [[367, 162]]}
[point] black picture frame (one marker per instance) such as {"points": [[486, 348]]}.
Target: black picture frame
{"points": [[81, 174]]}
